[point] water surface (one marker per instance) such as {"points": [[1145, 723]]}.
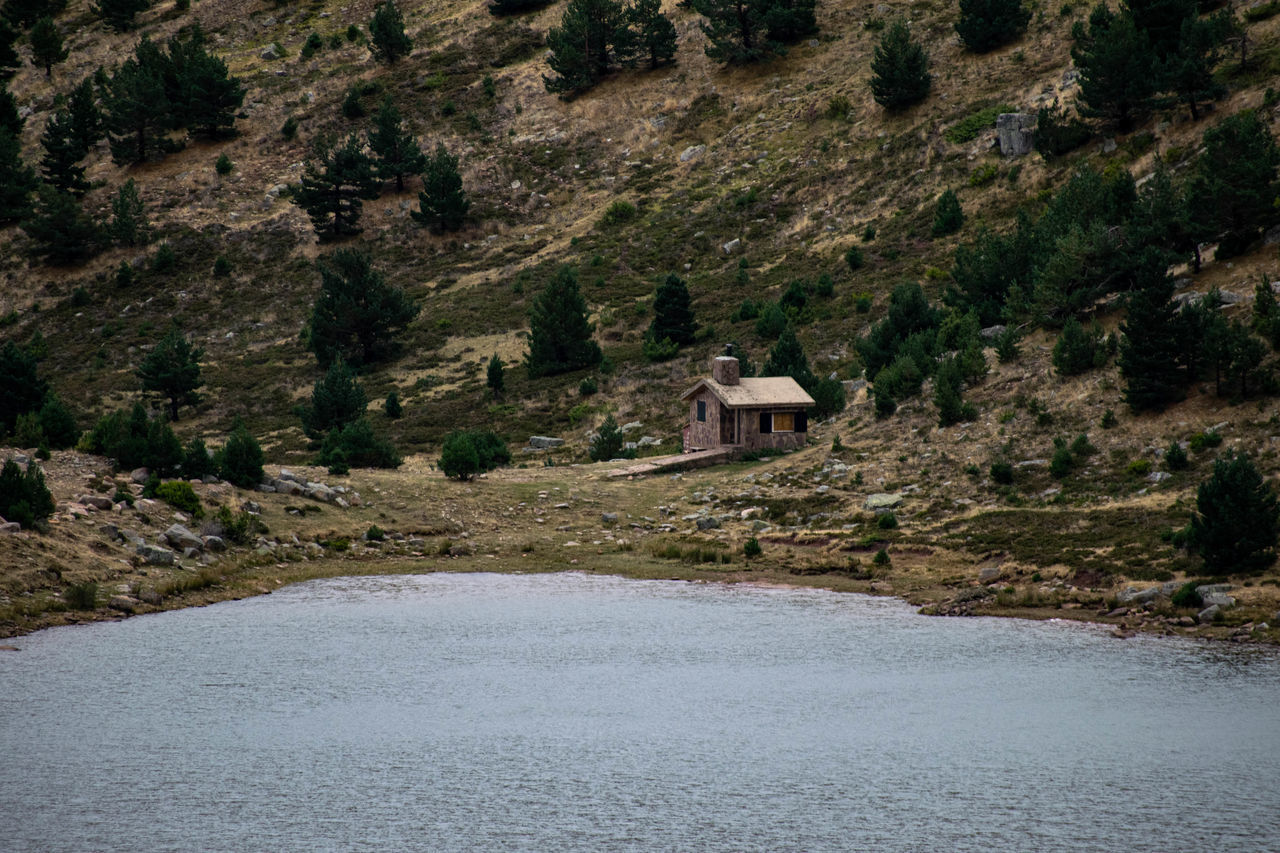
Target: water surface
{"points": [[568, 712]]}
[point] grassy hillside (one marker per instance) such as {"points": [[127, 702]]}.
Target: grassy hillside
{"points": [[792, 158]]}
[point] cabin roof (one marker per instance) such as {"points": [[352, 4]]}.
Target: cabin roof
{"points": [[755, 392]]}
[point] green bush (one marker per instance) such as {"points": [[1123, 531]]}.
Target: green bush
{"points": [[587, 387], [1205, 440], [24, 497], [853, 257], [1061, 463], [240, 459], [1139, 467], [133, 440], [619, 212], [663, 350], [608, 442], [81, 596], [881, 558], [375, 533], [356, 445], [968, 128], [466, 453], [179, 495], [887, 521], [1175, 458], [392, 406], [751, 548], [238, 528], [1186, 595]]}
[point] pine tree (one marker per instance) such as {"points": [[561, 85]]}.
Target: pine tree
{"points": [[1188, 70], [442, 204], [744, 31], [899, 70], [559, 333], [240, 459], [119, 14], [356, 444], [61, 231], [358, 314], [1117, 67], [333, 187], [608, 442], [672, 313], [1233, 190], [395, 150], [46, 45], [58, 423], [10, 62], [21, 388], [787, 358], [585, 45], [203, 92], [129, 223], [60, 164], [1076, 350], [136, 108], [1152, 357], [947, 384], [1160, 21], [948, 218], [1234, 525], [987, 24], [11, 121], [24, 497], [654, 34], [172, 370], [494, 377], [387, 39], [337, 399], [17, 180], [86, 118]]}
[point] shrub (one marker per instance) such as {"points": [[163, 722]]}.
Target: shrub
{"points": [[81, 596], [1205, 440], [196, 461], [1186, 595], [392, 406], [179, 495], [1061, 463], [887, 521], [587, 387], [968, 128], [375, 533], [853, 257], [135, 441], [355, 444], [238, 528], [881, 558], [1108, 419], [663, 350], [772, 321], [289, 130], [1234, 525], [1175, 458], [221, 267], [466, 453], [1139, 467], [619, 212], [608, 442], [223, 165], [751, 548]]}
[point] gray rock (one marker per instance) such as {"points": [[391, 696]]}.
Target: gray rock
{"points": [[110, 531], [154, 555], [988, 574], [95, 501], [287, 487], [209, 480], [544, 442], [265, 488], [632, 425], [215, 544], [608, 518], [320, 492], [691, 152], [648, 441], [123, 603], [139, 476], [853, 386], [1218, 599], [251, 507], [731, 246], [1108, 145], [10, 527], [1158, 476], [992, 332], [882, 501], [270, 52], [286, 474], [708, 522], [1139, 596], [1017, 133], [180, 537], [1206, 616]]}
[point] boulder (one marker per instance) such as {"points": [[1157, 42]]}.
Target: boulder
{"points": [[154, 555], [215, 544], [1017, 133], [708, 522], [95, 501], [286, 474], [648, 441], [731, 246], [1139, 596], [180, 537], [691, 152], [608, 518], [139, 476], [989, 574], [632, 425], [1217, 599], [1206, 616], [544, 442], [123, 603], [10, 527], [270, 52], [882, 501], [990, 333], [287, 487]]}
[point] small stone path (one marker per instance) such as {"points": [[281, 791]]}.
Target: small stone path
{"points": [[676, 462]]}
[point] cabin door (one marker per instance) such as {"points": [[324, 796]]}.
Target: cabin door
{"points": [[728, 426]]}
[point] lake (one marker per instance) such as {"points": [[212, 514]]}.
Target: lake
{"points": [[574, 712]]}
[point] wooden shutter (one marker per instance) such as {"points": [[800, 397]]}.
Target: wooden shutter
{"points": [[802, 421], [766, 423]]}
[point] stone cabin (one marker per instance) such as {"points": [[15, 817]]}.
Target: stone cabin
{"points": [[747, 414]]}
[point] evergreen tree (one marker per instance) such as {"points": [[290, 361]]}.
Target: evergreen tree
{"points": [[1233, 190], [63, 149], [947, 383], [1188, 71], [744, 31], [608, 442], [205, 96], [119, 14], [494, 377], [1160, 21], [58, 423], [1117, 67], [24, 497], [358, 314], [466, 453], [196, 461], [172, 370], [10, 62], [17, 180], [395, 150], [1152, 359], [136, 108], [334, 186], [21, 388], [86, 118], [654, 35], [46, 45], [559, 333], [987, 24], [583, 48], [356, 444], [948, 218], [1234, 525], [787, 358], [337, 399], [910, 316], [442, 204], [11, 121], [22, 14], [392, 406], [1077, 350], [899, 70], [62, 232], [129, 223], [240, 459], [387, 39], [672, 313]]}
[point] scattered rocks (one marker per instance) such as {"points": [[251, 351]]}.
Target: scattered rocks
{"points": [[10, 527], [708, 522], [95, 501], [691, 152], [1139, 596], [544, 442], [154, 555], [882, 501], [1205, 616], [180, 537], [608, 518], [632, 426]]}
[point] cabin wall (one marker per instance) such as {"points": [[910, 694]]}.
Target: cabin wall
{"points": [[704, 435], [753, 439]]}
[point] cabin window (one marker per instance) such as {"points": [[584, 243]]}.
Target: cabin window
{"points": [[784, 422], [702, 410]]}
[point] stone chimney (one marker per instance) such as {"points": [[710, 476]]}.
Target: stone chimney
{"points": [[724, 369]]}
